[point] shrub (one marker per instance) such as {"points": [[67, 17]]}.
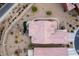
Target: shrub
{"points": [[49, 12], [34, 8]]}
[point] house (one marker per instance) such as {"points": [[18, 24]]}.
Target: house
{"points": [[46, 36], [46, 32]]}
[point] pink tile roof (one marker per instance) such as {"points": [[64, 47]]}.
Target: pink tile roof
{"points": [[40, 27], [44, 32], [50, 51], [70, 6], [60, 37]]}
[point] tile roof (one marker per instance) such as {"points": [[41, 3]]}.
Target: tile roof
{"points": [[44, 32], [50, 51]]}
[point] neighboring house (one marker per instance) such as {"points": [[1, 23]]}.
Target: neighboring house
{"points": [[50, 51], [72, 9], [71, 6], [68, 6]]}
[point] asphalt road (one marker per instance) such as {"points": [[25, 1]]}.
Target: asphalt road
{"points": [[76, 42], [5, 9]]}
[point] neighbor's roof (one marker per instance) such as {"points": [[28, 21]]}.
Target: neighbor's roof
{"points": [[50, 51], [68, 6]]}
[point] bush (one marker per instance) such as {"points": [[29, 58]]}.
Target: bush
{"points": [[34, 8], [16, 41], [30, 46], [48, 12]]}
